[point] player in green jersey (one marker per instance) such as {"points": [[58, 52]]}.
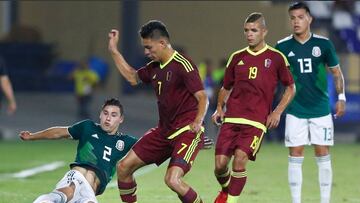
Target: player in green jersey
{"points": [[309, 56], [99, 149]]}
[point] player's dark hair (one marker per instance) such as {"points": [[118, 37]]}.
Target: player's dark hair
{"points": [[253, 17], [154, 29], [299, 5], [113, 102]]}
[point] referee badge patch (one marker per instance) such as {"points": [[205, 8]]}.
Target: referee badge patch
{"points": [[267, 63], [316, 51], [120, 145]]}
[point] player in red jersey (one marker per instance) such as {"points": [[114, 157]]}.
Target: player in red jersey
{"points": [[249, 84], [182, 103]]}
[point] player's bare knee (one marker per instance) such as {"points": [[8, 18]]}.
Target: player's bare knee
{"points": [[321, 150], [122, 168], [173, 182], [240, 160], [296, 151], [68, 191], [221, 165]]}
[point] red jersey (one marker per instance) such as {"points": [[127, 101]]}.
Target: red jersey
{"points": [[174, 83], [253, 78]]}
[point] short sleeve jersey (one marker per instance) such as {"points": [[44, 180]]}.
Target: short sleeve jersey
{"points": [[253, 77], [175, 83], [308, 63], [98, 150]]}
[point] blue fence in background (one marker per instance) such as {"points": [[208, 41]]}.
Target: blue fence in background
{"points": [[34, 67], [27, 64]]}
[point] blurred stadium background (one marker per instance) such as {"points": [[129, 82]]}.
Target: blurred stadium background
{"points": [[41, 41]]}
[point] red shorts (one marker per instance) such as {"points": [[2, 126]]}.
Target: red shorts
{"points": [[239, 136], [156, 148]]}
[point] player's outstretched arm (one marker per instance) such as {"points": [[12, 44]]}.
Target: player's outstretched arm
{"points": [[128, 72], [47, 134], [274, 118], [340, 89]]}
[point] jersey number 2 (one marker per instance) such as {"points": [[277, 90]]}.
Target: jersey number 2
{"points": [[107, 153]]}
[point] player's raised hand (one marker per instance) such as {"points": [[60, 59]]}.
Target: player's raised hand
{"points": [[218, 117], [25, 135], [340, 108], [113, 40]]}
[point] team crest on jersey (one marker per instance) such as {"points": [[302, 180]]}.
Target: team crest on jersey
{"points": [[168, 75], [120, 145], [316, 51], [267, 63]]}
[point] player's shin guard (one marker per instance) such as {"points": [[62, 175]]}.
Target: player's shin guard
{"points": [[295, 177], [325, 177], [190, 197], [224, 180], [53, 197], [127, 191], [236, 185]]}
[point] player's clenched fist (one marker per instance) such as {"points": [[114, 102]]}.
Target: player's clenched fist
{"points": [[25, 135], [113, 40]]}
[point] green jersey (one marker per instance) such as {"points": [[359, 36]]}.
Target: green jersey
{"points": [[98, 150], [308, 63]]}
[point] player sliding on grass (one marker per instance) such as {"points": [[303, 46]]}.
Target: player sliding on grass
{"points": [[182, 104], [100, 147], [249, 84]]}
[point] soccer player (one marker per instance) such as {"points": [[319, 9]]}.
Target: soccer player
{"points": [[250, 80], [7, 88], [308, 55], [100, 147], [182, 104]]}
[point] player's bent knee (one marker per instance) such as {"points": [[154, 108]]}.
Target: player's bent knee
{"points": [[172, 182], [220, 168], [122, 168], [240, 160], [221, 165]]}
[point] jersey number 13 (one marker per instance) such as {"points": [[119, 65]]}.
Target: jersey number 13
{"points": [[305, 65]]}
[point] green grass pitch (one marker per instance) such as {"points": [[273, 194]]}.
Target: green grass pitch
{"points": [[267, 177]]}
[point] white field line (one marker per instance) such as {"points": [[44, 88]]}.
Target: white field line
{"points": [[33, 171]]}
